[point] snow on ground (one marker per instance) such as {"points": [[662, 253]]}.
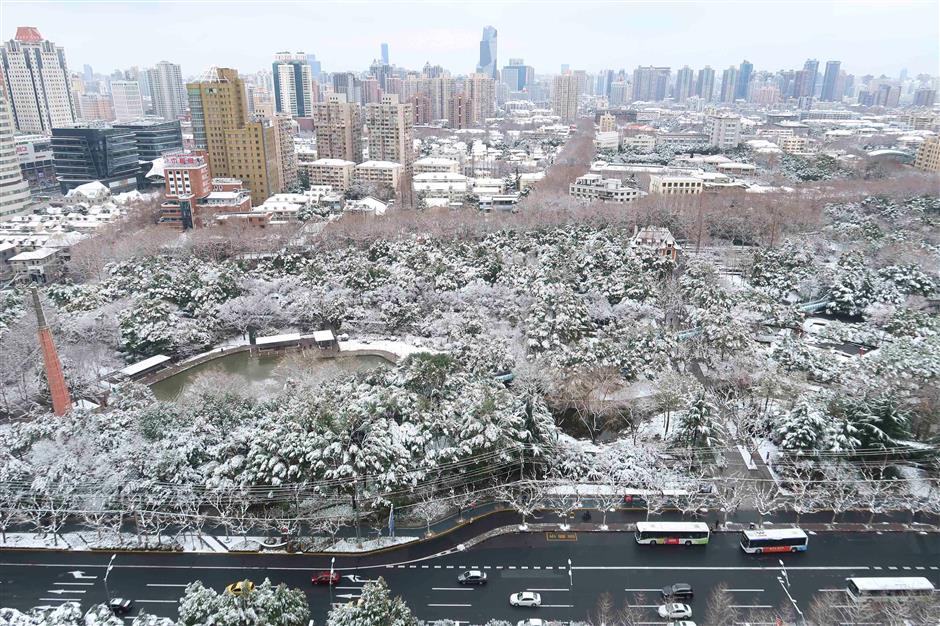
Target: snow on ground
{"points": [[350, 545], [918, 482], [655, 427], [769, 452], [398, 348]]}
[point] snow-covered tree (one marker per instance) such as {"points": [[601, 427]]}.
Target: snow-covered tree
{"points": [[375, 607], [803, 428]]}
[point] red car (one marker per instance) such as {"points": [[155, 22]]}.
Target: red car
{"points": [[325, 578]]}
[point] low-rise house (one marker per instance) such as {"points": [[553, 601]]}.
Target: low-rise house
{"points": [[596, 187], [657, 239], [675, 185]]}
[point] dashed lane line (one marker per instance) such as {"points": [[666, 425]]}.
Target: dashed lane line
{"points": [[464, 605], [557, 606], [451, 589], [165, 585], [558, 589], [642, 590], [751, 606], [746, 590], [158, 601], [775, 568], [76, 584]]}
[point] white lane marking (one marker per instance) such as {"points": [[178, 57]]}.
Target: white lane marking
{"points": [[412, 567], [892, 567], [751, 606], [499, 567], [79, 584], [451, 588], [450, 605], [775, 568], [61, 600], [356, 588], [557, 606], [165, 585], [832, 589], [450, 567], [746, 590], [536, 567], [61, 591], [525, 567], [919, 567], [643, 606], [549, 567], [159, 601], [437, 567], [512, 567], [645, 589], [878, 567], [487, 567], [424, 567], [934, 567], [534, 589]]}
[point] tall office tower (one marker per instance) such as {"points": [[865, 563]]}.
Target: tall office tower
{"points": [[743, 80], [391, 131], [565, 97], [126, 100], [143, 79], [381, 72], [487, 64], [293, 84], [830, 91], [441, 90], [619, 93], [14, 191], [683, 84], [804, 83], [238, 147], [517, 75], [433, 71], [394, 84], [705, 84], [650, 83], [87, 73], [315, 67], [37, 82], [167, 92], [460, 111], [347, 84], [482, 92], [385, 54], [728, 84], [95, 106], [338, 125], [925, 97]]}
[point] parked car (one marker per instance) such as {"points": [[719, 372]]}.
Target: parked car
{"points": [[325, 578], [675, 610], [242, 586], [677, 591], [472, 577], [120, 606], [525, 598], [531, 622]]}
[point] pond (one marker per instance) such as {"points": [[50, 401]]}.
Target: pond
{"points": [[261, 376]]}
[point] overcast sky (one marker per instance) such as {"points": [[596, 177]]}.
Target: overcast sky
{"points": [[868, 37]]}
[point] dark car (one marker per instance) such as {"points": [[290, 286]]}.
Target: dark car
{"points": [[120, 606], [472, 577], [678, 591], [325, 578]]}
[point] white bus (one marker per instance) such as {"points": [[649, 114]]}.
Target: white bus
{"points": [[874, 589], [681, 533], [774, 540]]}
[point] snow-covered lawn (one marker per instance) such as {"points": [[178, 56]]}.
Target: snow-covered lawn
{"points": [[350, 545], [398, 348]]}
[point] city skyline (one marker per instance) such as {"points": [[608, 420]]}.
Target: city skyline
{"points": [[637, 34]]}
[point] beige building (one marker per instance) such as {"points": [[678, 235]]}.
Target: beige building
{"points": [[334, 172], [238, 146], [565, 97], [391, 131], [286, 129], [639, 143], [675, 185], [723, 130], [596, 187], [608, 123], [338, 126], [126, 100], [431, 165], [14, 191], [37, 83], [380, 173], [928, 155], [482, 91], [95, 106]]}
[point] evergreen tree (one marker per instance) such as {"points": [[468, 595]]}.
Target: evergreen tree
{"points": [[376, 607], [803, 428]]}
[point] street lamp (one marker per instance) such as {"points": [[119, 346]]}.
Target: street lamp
{"points": [[330, 583], [784, 581], [570, 575], [107, 572]]}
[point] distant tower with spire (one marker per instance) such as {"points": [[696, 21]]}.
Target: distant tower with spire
{"points": [[61, 402]]}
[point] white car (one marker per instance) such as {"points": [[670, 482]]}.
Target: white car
{"points": [[682, 623], [531, 622], [525, 598], [675, 610]]}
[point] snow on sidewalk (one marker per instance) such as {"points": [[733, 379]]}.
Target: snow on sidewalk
{"points": [[349, 545]]}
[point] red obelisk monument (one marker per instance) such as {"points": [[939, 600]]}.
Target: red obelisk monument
{"points": [[61, 402]]}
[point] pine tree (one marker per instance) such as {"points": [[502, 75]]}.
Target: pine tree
{"points": [[376, 607], [802, 429]]}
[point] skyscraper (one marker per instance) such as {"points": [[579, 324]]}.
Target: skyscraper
{"points": [[167, 92], [650, 83], [385, 54], [830, 92], [565, 97], [482, 92], [238, 146], [683, 84], [338, 126], [743, 80], [293, 84], [14, 191], [37, 82], [391, 131], [126, 100], [804, 84], [705, 84], [487, 64], [517, 75], [314, 66], [728, 84]]}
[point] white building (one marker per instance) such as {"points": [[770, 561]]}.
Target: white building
{"points": [[609, 140], [382, 173], [639, 143], [565, 97], [37, 82], [723, 130], [167, 92], [295, 88], [428, 165], [596, 187], [126, 100], [14, 191], [675, 185], [448, 185]]}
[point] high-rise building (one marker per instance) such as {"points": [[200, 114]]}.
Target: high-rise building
{"points": [[338, 125], [126, 100], [804, 83], [683, 84], [743, 80], [14, 191], [482, 91], [37, 82], [154, 138], [565, 97], [167, 92], [928, 155], [238, 146], [293, 84], [487, 64], [830, 91], [650, 83], [349, 85], [371, 92], [285, 128], [925, 97], [724, 131], [440, 90], [728, 84], [85, 153], [517, 75], [87, 73], [384, 48], [705, 84], [619, 93], [95, 106], [391, 131], [421, 105], [460, 111]]}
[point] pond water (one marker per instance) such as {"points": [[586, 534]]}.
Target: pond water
{"points": [[261, 376]]}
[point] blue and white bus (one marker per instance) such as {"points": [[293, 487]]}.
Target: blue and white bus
{"points": [[876, 589], [774, 540]]}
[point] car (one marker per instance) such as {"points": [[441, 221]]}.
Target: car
{"points": [[531, 622], [120, 606], [677, 591], [472, 577], [325, 578], [674, 610], [681, 623], [242, 586], [525, 598]]}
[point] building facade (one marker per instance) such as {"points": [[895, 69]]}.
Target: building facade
{"points": [[928, 155], [724, 131], [95, 152], [675, 185], [167, 93], [565, 97], [154, 137], [126, 100], [293, 84], [487, 64], [391, 131], [338, 125], [336, 173], [596, 187], [14, 190], [37, 82]]}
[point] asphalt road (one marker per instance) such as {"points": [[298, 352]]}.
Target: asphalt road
{"points": [[600, 562]]}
